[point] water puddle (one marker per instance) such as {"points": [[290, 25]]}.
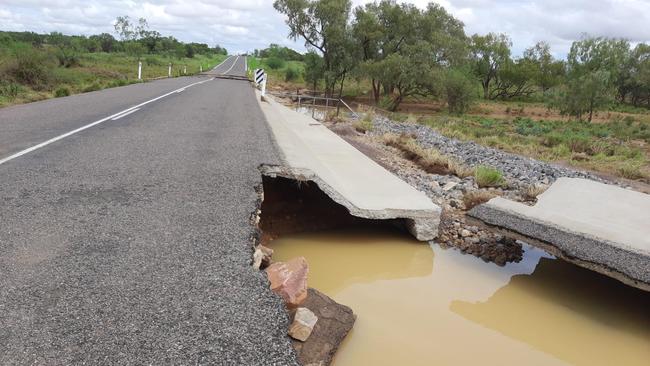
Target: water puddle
{"points": [[418, 304]]}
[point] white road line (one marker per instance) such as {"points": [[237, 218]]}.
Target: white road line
{"points": [[125, 114], [222, 62], [112, 116], [233, 65]]}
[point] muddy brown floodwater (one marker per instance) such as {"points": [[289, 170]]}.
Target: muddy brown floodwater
{"points": [[418, 304]]}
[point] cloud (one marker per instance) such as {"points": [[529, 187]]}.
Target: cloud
{"points": [[243, 25]]}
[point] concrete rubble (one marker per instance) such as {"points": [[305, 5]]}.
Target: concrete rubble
{"points": [[601, 227]]}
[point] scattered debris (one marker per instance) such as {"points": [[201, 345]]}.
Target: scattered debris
{"points": [[289, 280], [303, 323]]}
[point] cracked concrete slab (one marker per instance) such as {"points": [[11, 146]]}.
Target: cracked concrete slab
{"points": [[312, 152], [601, 227]]}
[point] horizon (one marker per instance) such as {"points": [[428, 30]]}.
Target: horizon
{"points": [[525, 22]]}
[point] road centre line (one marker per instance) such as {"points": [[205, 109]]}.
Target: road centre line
{"points": [[125, 114], [233, 65], [111, 117], [222, 62]]}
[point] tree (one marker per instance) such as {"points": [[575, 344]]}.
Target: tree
{"points": [[106, 42], [323, 25], [313, 68], [489, 54], [124, 28], [593, 68], [548, 72], [514, 79], [384, 29]]}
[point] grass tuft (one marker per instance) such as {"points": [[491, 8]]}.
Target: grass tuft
{"points": [[488, 177]]}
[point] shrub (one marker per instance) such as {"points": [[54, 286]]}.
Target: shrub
{"points": [[488, 177], [153, 61], [631, 171], [363, 125], [275, 63], [92, 87], [31, 66], [61, 92], [9, 89], [459, 91], [291, 74]]}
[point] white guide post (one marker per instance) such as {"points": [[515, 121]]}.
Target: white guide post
{"points": [[169, 71], [139, 70], [200, 68], [184, 70], [264, 86]]}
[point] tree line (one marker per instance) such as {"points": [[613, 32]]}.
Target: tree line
{"points": [[135, 39], [404, 51]]}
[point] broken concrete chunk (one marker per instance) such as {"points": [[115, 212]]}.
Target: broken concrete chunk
{"points": [[289, 280], [334, 322], [303, 323]]}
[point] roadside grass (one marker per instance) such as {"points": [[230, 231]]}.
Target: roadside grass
{"points": [[620, 147], [486, 176], [472, 199], [284, 74], [430, 160], [23, 82], [365, 124]]}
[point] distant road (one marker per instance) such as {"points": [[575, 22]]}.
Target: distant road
{"points": [[124, 228]]}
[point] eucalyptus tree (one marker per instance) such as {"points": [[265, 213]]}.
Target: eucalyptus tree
{"points": [[490, 54], [324, 26], [547, 71]]}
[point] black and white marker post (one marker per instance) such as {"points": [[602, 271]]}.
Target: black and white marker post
{"points": [[260, 79]]}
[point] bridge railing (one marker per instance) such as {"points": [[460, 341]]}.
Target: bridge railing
{"points": [[313, 102]]}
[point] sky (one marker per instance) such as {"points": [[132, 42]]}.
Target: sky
{"points": [[243, 25]]}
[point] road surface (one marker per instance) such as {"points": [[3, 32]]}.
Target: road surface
{"points": [[124, 230]]}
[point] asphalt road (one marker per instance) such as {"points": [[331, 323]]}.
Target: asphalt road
{"points": [[129, 242]]}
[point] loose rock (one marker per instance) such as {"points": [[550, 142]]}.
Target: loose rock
{"points": [[303, 323], [289, 280], [334, 323]]}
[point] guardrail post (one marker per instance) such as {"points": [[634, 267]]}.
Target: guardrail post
{"points": [[169, 70], [139, 70]]}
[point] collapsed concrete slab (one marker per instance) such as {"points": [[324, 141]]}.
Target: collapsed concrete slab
{"points": [[312, 152], [601, 227]]}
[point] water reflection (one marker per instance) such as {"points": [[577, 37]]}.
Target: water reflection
{"points": [[421, 305]]}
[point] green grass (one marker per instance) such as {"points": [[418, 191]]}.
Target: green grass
{"points": [[95, 71], [604, 147], [278, 76], [488, 177]]}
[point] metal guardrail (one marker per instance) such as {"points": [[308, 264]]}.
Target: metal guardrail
{"points": [[336, 102]]}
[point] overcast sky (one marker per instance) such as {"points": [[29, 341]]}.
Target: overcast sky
{"points": [[242, 25]]}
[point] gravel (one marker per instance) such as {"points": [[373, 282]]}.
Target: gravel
{"points": [[518, 170]]}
